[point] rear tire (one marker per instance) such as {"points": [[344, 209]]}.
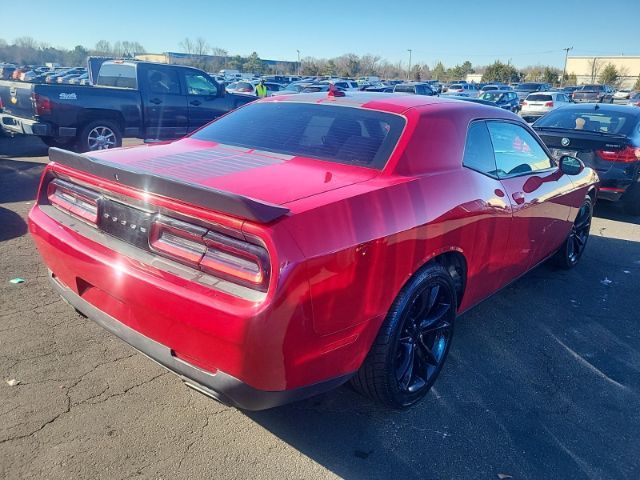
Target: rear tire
{"points": [[99, 135], [573, 247], [631, 199], [413, 341]]}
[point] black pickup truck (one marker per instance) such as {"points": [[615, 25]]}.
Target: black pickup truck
{"points": [[129, 99]]}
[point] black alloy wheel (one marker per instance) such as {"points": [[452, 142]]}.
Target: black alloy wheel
{"points": [[427, 330], [413, 341], [572, 249]]}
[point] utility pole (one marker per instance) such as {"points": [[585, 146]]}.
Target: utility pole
{"points": [[409, 72], [298, 62], [564, 70]]}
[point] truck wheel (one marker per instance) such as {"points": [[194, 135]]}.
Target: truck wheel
{"points": [[413, 341], [631, 200], [60, 142], [99, 135]]}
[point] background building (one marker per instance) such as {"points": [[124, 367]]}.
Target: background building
{"points": [[589, 69], [214, 63]]}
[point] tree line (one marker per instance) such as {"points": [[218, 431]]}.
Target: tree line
{"points": [[200, 54], [28, 51]]}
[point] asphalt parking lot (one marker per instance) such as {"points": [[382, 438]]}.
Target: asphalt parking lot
{"points": [[543, 382]]}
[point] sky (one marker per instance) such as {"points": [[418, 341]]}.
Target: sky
{"points": [[520, 31]]}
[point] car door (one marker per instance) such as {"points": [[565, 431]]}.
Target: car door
{"points": [[163, 103], [203, 99], [537, 191], [493, 217]]}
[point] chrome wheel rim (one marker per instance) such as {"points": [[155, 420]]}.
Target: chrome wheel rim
{"points": [[579, 233], [101, 138], [424, 338]]}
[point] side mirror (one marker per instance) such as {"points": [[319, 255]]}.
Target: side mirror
{"points": [[571, 165]]}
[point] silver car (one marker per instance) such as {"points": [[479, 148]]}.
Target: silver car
{"points": [[539, 103]]}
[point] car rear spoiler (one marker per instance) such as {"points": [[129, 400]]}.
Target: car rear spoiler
{"points": [[217, 200]]}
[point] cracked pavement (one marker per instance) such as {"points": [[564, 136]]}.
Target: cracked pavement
{"points": [[543, 381]]}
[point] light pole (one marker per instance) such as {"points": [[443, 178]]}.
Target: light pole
{"points": [[564, 70], [409, 71], [298, 62]]}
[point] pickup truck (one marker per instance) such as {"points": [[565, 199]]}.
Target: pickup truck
{"points": [[593, 94], [129, 99]]}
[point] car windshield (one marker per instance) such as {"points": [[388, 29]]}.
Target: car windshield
{"points": [[492, 97], [601, 121], [524, 87], [591, 88], [326, 132], [456, 86]]}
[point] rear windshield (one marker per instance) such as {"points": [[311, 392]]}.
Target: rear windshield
{"points": [[523, 87], [405, 89], [591, 88], [536, 97], [117, 75], [456, 87], [333, 133], [613, 122]]}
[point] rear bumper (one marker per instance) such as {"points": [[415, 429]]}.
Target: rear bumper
{"points": [[26, 126], [219, 385], [13, 124]]}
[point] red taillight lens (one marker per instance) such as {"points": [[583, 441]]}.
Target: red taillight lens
{"points": [[214, 253], [73, 199], [42, 104], [236, 260], [178, 240], [548, 104], [1, 105], [524, 102], [627, 155]]}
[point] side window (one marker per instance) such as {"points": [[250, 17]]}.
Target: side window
{"points": [[198, 84], [478, 150], [516, 151], [163, 81]]}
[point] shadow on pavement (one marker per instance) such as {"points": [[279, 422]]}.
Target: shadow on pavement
{"points": [[12, 225], [19, 180], [614, 211], [22, 146], [539, 378]]}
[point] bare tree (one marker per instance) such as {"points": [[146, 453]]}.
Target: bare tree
{"points": [[595, 65], [200, 47], [187, 46], [219, 52], [103, 47]]}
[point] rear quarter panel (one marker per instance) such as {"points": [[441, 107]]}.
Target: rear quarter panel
{"points": [[70, 103]]}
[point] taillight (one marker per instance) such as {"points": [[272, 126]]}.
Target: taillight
{"points": [[178, 240], [524, 102], [73, 199], [548, 104], [1, 105], [42, 104], [212, 252], [627, 155], [236, 260]]}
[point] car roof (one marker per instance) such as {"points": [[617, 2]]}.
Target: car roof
{"points": [[385, 102]]}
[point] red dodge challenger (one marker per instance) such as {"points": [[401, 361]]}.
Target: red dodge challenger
{"points": [[303, 241]]}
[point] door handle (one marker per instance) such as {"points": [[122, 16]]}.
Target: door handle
{"points": [[155, 101], [195, 103], [518, 197]]}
